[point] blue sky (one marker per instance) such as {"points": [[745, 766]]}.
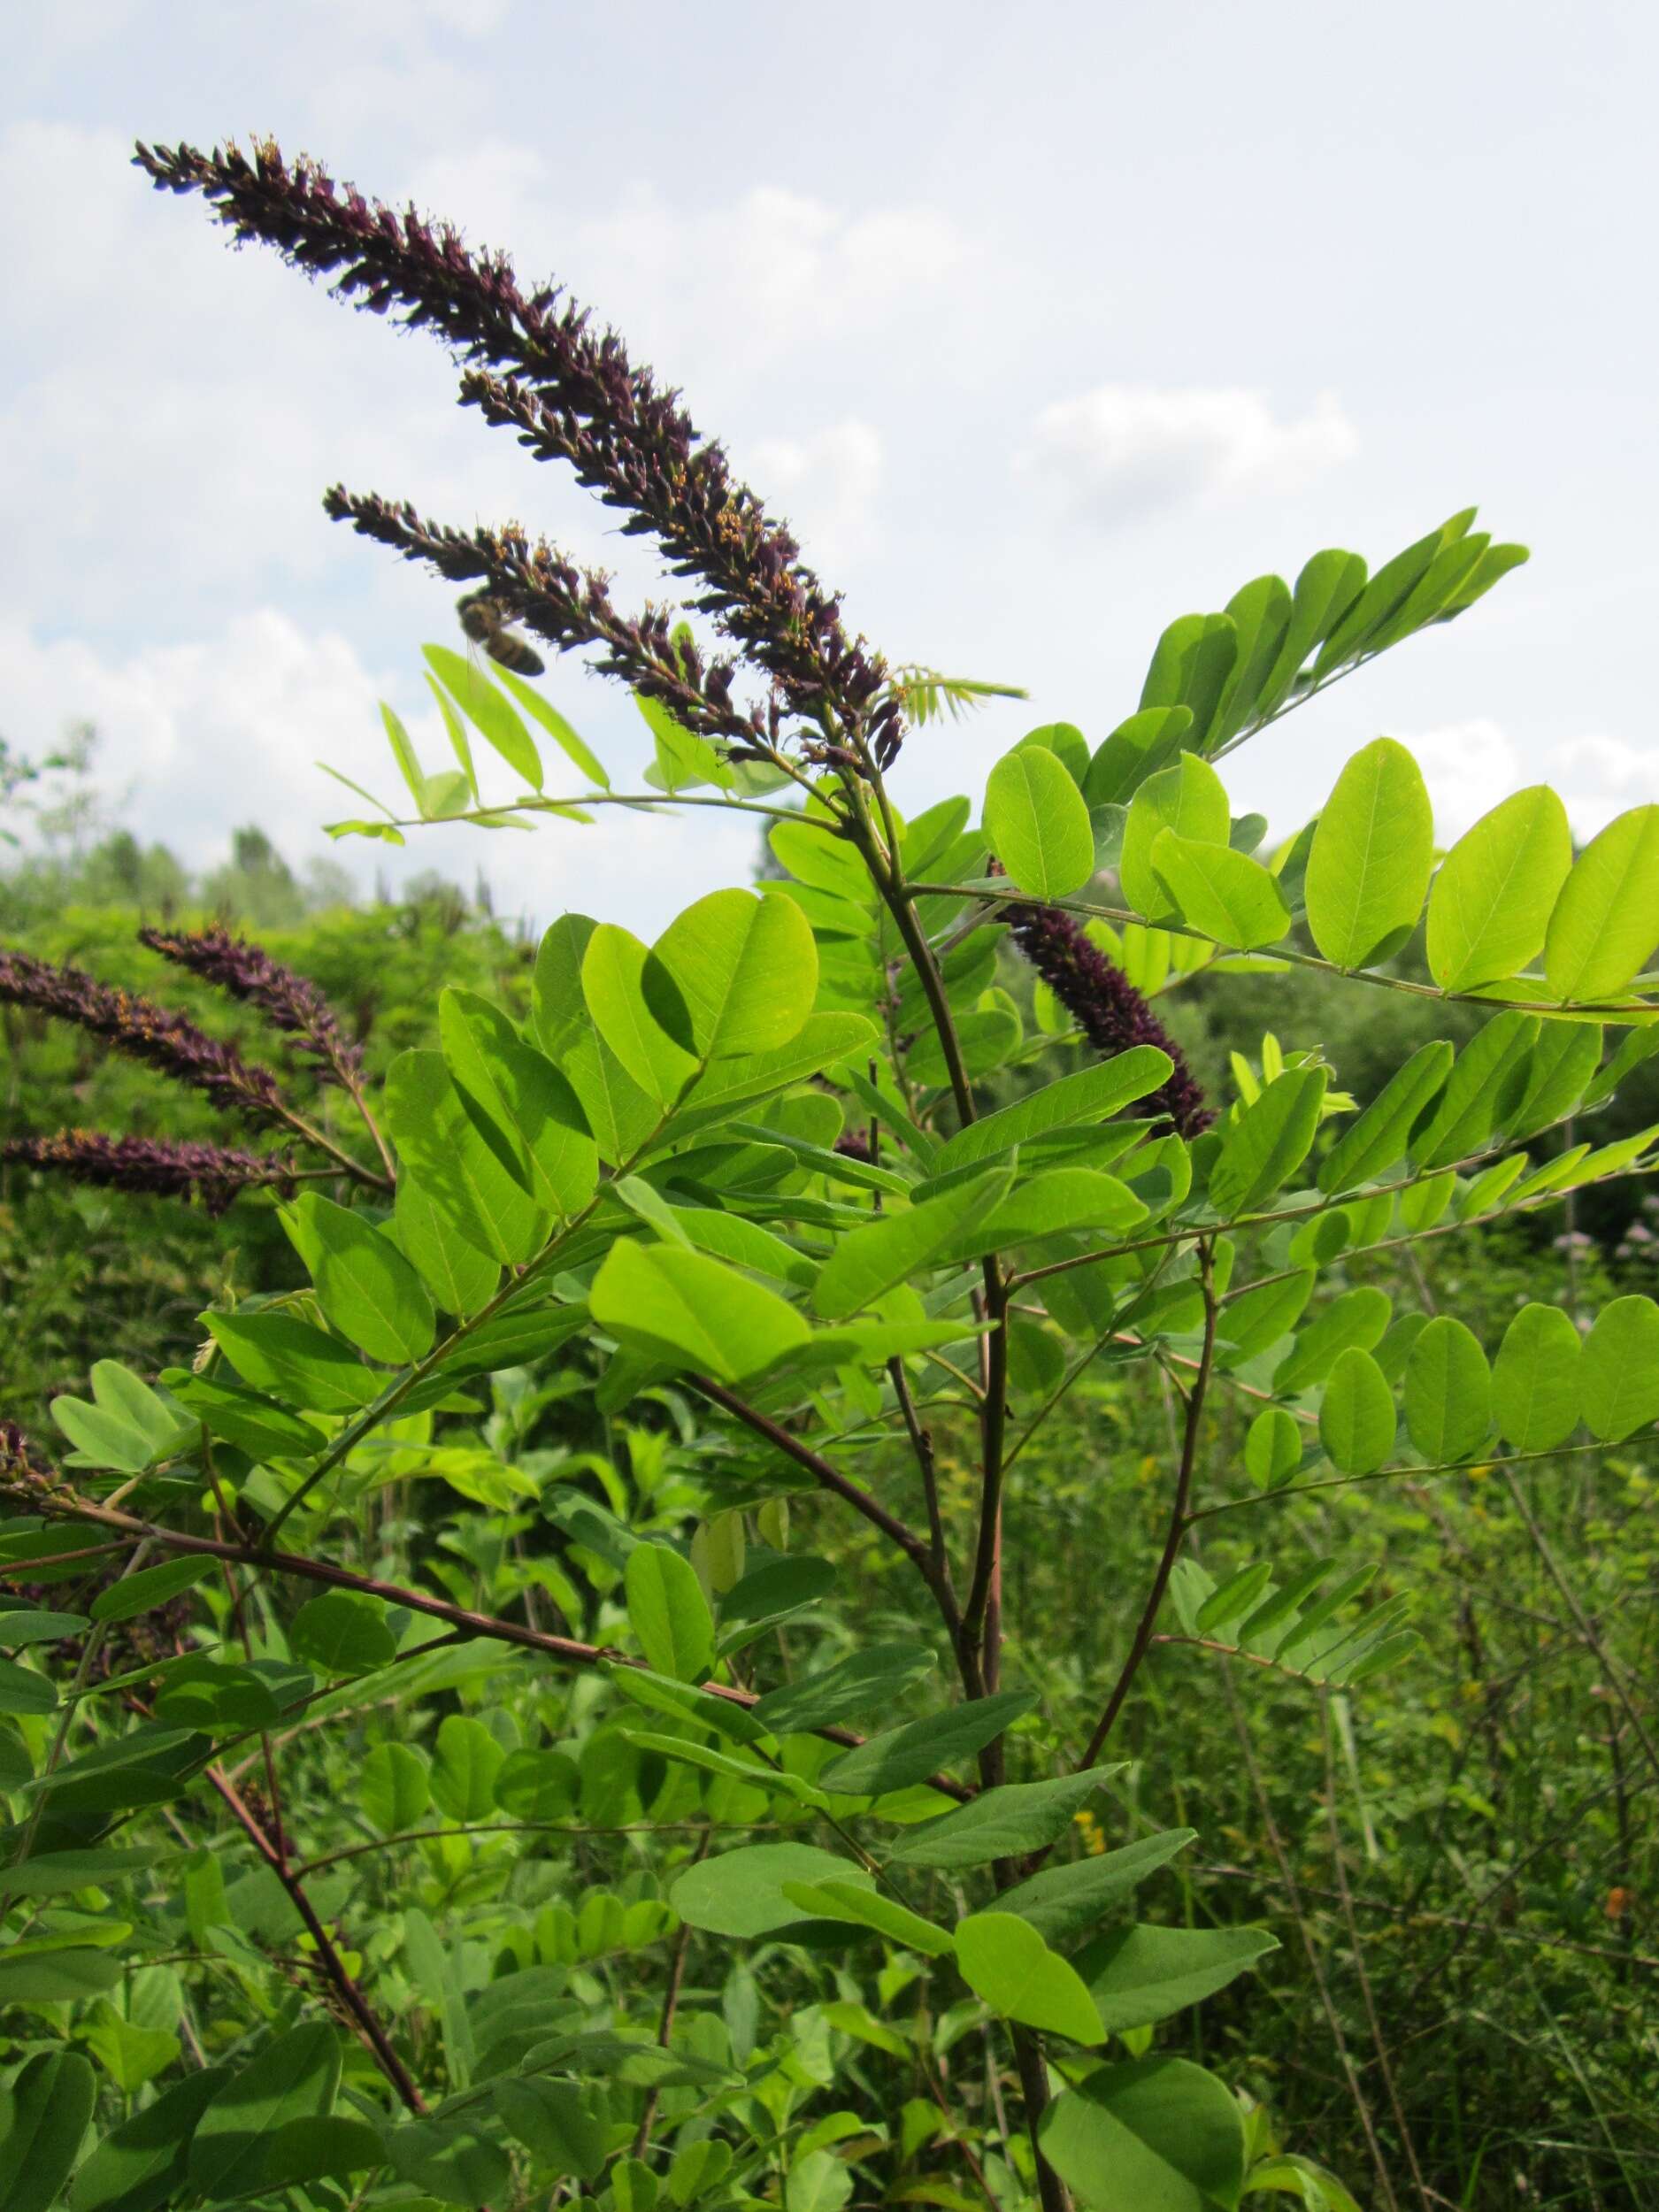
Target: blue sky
{"points": [[1043, 325]]}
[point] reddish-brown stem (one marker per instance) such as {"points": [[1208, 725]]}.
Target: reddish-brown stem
{"points": [[814, 1463], [670, 2006], [922, 1444], [350, 1998], [1033, 2084], [459, 1617], [1177, 1530]]}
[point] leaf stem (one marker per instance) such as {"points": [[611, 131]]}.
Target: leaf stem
{"points": [[1175, 1535]]}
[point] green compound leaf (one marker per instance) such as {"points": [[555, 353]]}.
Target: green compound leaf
{"points": [[452, 2161], [1188, 798], [1618, 1372], [1137, 748], [301, 1365], [140, 2166], [338, 1634], [553, 722], [817, 2182], [366, 1288], [734, 974], [1001, 1824], [911, 1754], [43, 2116], [1004, 1960], [56, 1977], [1141, 1974], [741, 1892], [1535, 1380], [394, 1787], [1368, 870], [668, 1612], [1491, 900], [464, 1180], [1160, 2134], [1064, 1902], [1485, 1087], [1036, 818], [1046, 1205], [679, 1305], [1380, 1136], [613, 984], [151, 1586], [1449, 1393], [1192, 666], [460, 1278], [859, 1907], [1356, 1416], [1273, 1448], [526, 1111], [1224, 894], [1091, 1095], [556, 2122], [1257, 1317], [1269, 1142], [870, 1261], [489, 712], [294, 2078], [868, 1681], [465, 1768], [56, 1873], [1606, 921]]}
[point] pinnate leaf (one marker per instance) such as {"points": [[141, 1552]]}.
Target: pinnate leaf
{"points": [[1618, 1372], [1036, 818], [1160, 2134], [669, 1613], [1606, 921], [692, 1310], [1535, 1380], [1367, 869], [1004, 1960], [1493, 898]]}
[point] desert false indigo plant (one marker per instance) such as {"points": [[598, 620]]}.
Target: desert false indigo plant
{"points": [[623, 1750]]}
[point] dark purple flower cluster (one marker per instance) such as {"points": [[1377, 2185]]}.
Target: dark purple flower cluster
{"points": [[17, 1462], [539, 367], [169, 1042], [569, 608], [289, 1002], [161, 1167], [1105, 1005]]}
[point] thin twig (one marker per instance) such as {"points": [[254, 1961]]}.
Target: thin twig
{"points": [[670, 2006], [1178, 1523], [460, 1616], [351, 1999]]}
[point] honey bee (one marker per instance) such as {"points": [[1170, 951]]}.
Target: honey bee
{"points": [[485, 622]]}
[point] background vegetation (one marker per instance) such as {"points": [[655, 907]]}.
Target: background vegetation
{"points": [[1459, 1861]]}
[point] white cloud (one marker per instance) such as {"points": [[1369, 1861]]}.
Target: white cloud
{"points": [[1115, 454], [176, 418], [171, 420], [1599, 777], [1470, 766], [825, 484], [196, 739], [719, 291]]}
